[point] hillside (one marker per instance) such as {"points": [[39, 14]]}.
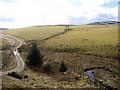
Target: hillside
{"points": [[3, 28], [104, 23], [81, 47], [91, 39], [35, 32]]}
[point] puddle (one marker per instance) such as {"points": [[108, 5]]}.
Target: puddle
{"points": [[91, 75]]}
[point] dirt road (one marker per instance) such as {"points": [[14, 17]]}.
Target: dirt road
{"points": [[19, 61]]}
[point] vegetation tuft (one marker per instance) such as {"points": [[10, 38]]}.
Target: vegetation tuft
{"points": [[63, 67], [47, 68]]}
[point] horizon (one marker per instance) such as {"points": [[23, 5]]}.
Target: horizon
{"points": [[54, 25], [25, 13]]}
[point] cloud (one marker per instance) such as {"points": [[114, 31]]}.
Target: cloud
{"points": [[78, 20], [8, 1], [6, 19], [39, 12], [105, 17]]}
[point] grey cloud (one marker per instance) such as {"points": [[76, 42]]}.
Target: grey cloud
{"points": [[99, 18], [6, 19], [105, 17]]}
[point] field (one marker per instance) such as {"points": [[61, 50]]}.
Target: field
{"points": [[3, 41], [93, 39], [81, 47], [87, 35], [34, 33]]}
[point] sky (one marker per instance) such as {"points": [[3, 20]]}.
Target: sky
{"points": [[24, 13]]}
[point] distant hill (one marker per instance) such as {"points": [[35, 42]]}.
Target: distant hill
{"points": [[3, 28], [104, 23], [56, 25]]}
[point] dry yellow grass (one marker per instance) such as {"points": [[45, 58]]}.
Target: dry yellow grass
{"points": [[97, 39], [36, 80], [87, 35], [34, 33], [4, 41]]}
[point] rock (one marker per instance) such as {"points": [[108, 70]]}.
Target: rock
{"points": [[65, 73]]}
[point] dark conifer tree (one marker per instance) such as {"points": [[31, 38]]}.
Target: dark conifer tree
{"points": [[34, 56]]}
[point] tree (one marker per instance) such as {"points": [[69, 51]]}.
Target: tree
{"points": [[34, 56], [63, 67]]}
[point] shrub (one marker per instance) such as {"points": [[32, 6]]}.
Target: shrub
{"points": [[63, 67], [15, 75], [47, 68], [76, 78]]}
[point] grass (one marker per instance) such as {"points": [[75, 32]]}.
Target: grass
{"points": [[34, 33], [3, 41], [7, 59], [95, 39]]}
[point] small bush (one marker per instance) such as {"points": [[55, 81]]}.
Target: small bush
{"points": [[63, 67], [47, 68], [76, 78], [15, 75]]}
